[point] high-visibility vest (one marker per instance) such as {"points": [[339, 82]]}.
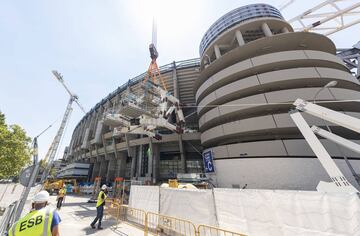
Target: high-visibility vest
{"points": [[35, 223], [99, 199], [62, 192]]}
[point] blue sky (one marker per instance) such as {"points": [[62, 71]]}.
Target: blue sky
{"points": [[97, 46]]}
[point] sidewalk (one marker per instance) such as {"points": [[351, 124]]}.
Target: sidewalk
{"points": [[76, 215]]}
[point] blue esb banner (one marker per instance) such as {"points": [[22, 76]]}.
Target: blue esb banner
{"points": [[208, 161]]}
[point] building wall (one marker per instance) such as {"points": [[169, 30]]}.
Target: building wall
{"points": [[245, 90], [93, 140], [252, 68]]}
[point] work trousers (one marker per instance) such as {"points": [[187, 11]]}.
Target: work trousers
{"points": [[99, 215], [59, 202]]}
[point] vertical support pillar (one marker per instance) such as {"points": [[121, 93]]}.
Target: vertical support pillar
{"points": [[156, 161], [217, 51], [265, 28], [121, 164], [239, 38], [132, 154], [139, 156], [151, 159], [95, 171], [103, 168], [285, 30], [181, 145], [182, 154], [110, 176]]}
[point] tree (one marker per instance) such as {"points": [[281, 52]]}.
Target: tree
{"points": [[15, 151]]}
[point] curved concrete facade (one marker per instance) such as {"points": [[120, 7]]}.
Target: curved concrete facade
{"points": [[244, 92], [117, 156], [252, 67]]}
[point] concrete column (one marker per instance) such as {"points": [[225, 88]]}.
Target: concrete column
{"points": [[95, 171], [239, 38], [139, 163], [103, 168], [217, 51], [175, 81], [182, 154], [285, 30], [110, 175], [265, 28], [181, 145], [133, 166], [131, 153], [151, 159], [156, 162], [121, 164]]}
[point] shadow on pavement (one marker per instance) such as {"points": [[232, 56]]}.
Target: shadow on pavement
{"points": [[105, 224]]}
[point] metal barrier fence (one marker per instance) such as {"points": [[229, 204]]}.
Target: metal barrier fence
{"points": [[158, 224], [166, 225], [206, 230], [133, 216], [112, 208], [8, 218]]}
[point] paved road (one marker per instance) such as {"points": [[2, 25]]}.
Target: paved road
{"points": [[76, 215]]}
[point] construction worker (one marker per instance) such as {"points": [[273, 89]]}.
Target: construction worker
{"points": [[100, 207], [40, 221], [60, 197]]}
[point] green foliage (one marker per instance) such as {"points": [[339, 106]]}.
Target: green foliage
{"points": [[15, 149]]}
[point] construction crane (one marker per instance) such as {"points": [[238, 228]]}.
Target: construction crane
{"points": [[146, 113], [153, 71], [339, 182], [50, 155], [328, 17]]}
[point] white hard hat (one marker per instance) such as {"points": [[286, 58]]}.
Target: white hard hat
{"points": [[42, 196], [104, 187]]}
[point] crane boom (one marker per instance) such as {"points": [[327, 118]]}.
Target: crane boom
{"points": [[55, 144], [59, 77], [50, 155]]}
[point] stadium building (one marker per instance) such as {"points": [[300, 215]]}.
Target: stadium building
{"points": [[236, 98]]}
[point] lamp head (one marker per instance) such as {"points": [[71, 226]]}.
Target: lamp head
{"points": [[331, 84]]}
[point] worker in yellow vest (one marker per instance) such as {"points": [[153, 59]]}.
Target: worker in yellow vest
{"points": [[100, 207], [40, 221], [60, 197]]}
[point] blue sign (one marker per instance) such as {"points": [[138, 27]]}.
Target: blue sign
{"points": [[208, 162]]}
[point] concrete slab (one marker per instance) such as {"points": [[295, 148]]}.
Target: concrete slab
{"points": [[76, 216]]}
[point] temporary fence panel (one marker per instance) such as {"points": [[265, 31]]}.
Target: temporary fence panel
{"points": [[167, 225], [206, 230], [132, 215], [145, 198], [196, 206], [112, 208], [267, 212]]}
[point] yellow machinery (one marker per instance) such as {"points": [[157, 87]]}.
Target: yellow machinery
{"points": [[173, 183], [53, 186]]}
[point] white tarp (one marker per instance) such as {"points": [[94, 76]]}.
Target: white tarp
{"points": [[194, 205], [267, 212], [145, 198]]}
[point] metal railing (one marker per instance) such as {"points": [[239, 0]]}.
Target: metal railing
{"points": [[134, 216], [112, 208], [158, 224], [167, 225], [206, 230]]}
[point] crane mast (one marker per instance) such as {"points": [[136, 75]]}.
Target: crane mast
{"points": [[50, 155]]}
